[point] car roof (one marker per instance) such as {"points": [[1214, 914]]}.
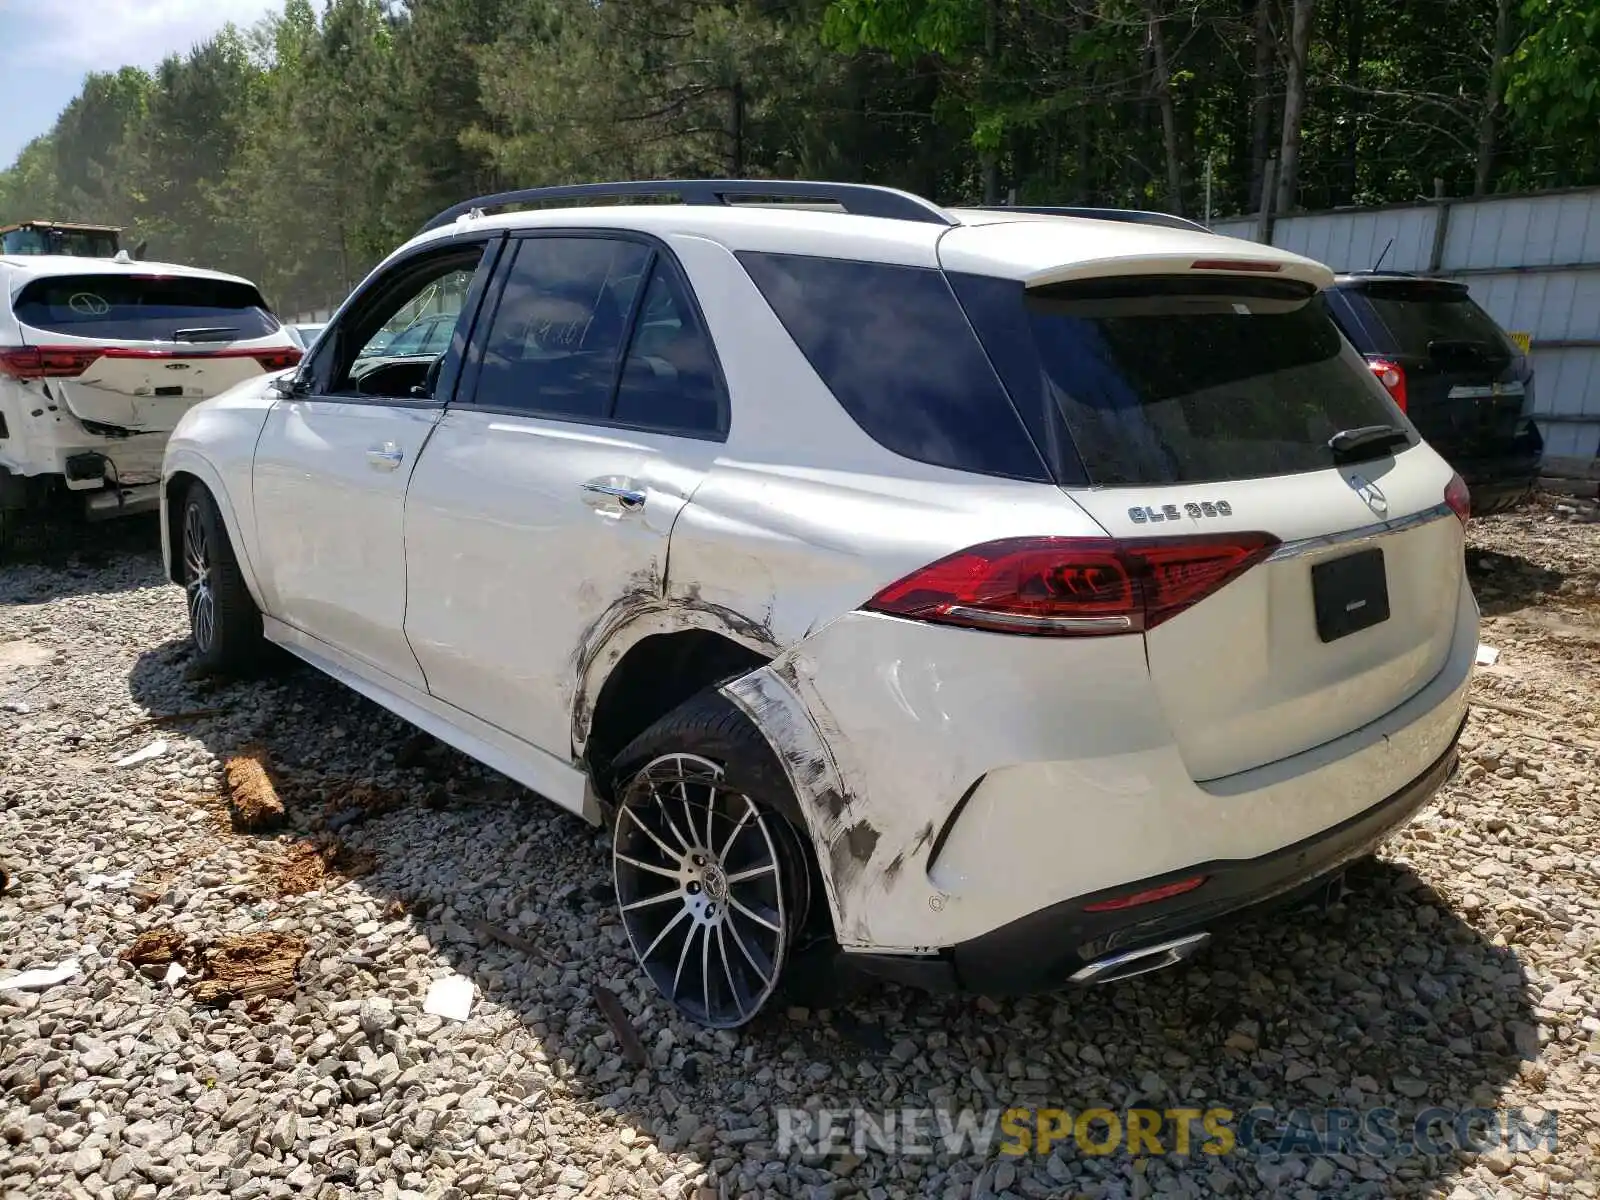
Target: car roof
{"points": [[1017, 245], [23, 269]]}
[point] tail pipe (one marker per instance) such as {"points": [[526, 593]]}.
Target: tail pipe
{"points": [[1141, 961]]}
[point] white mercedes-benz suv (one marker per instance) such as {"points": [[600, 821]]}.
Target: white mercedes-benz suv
{"points": [[994, 599]]}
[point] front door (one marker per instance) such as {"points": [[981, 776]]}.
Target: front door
{"points": [[332, 465], [542, 507]]}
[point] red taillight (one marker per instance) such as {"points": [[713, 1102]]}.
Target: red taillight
{"points": [[1393, 377], [65, 362], [278, 360], [1234, 264], [1072, 586], [1148, 896], [1458, 498], [45, 362]]}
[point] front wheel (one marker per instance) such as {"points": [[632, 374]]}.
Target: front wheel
{"points": [[223, 618], [712, 880]]}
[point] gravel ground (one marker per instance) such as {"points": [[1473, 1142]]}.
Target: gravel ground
{"points": [[1463, 969]]}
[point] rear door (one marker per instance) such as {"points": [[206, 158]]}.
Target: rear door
{"points": [[540, 513], [1466, 382], [137, 351], [1202, 406]]}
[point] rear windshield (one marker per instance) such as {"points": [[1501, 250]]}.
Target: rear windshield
{"points": [[1174, 379], [145, 308], [1420, 315]]}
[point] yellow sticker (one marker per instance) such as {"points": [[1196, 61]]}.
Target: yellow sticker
{"points": [[1524, 341]]}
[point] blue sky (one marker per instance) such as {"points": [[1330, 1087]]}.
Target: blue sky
{"points": [[46, 47]]}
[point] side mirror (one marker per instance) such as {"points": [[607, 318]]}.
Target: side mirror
{"points": [[291, 386]]}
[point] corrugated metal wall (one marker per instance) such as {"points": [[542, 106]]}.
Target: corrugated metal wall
{"points": [[1532, 261]]}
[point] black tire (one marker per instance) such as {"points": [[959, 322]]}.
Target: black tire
{"points": [[710, 861], [223, 618]]}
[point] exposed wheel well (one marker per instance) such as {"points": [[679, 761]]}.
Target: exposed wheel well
{"points": [[652, 679], [177, 488]]}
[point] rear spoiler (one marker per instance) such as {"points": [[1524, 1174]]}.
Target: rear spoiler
{"points": [[1134, 215], [1235, 258]]}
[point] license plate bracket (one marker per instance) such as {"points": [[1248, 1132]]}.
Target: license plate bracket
{"points": [[1350, 594]]}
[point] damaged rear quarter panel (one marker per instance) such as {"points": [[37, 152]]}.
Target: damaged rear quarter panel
{"points": [[798, 550], [865, 842]]}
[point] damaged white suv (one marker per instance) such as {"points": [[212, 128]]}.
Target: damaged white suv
{"points": [[100, 357], [1002, 598]]}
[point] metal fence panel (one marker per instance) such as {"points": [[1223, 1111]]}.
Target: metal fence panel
{"points": [[1238, 227], [1552, 306], [1354, 241], [1523, 231]]}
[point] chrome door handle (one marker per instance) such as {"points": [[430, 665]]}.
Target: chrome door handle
{"points": [[385, 457], [628, 498]]}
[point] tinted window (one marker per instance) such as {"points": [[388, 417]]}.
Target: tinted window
{"points": [[1418, 315], [1177, 380], [559, 327], [79, 243], [893, 346], [145, 308], [670, 378]]}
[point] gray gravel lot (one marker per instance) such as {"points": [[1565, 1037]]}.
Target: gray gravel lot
{"points": [[1462, 970]]}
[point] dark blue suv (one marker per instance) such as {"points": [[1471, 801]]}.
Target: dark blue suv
{"points": [[1467, 387]]}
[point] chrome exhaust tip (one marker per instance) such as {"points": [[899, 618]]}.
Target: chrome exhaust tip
{"points": [[1141, 961]]}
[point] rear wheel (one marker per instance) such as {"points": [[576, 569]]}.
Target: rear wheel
{"points": [[712, 879], [223, 618]]}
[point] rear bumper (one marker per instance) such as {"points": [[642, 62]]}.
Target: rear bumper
{"points": [[1044, 949], [46, 439]]}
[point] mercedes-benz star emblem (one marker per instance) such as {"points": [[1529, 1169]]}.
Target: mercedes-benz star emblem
{"points": [[1371, 493]]}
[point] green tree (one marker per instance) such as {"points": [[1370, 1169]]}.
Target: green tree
{"points": [[1554, 87]]}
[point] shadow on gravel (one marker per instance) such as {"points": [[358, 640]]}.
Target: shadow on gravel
{"points": [[45, 560], [1388, 1001], [1506, 583]]}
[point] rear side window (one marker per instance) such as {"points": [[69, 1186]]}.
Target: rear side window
{"points": [[1420, 316], [559, 327], [670, 380], [893, 346], [145, 308], [1175, 379]]}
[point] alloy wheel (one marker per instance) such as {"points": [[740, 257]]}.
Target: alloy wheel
{"points": [[197, 578], [711, 887]]}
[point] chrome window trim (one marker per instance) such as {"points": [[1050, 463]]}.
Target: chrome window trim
{"points": [[1362, 533]]}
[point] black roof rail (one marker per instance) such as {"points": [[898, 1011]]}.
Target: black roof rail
{"points": [[860, 199], [1134, 215]]}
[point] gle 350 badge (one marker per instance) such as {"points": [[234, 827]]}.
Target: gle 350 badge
{"points": [[1176, 512]]}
